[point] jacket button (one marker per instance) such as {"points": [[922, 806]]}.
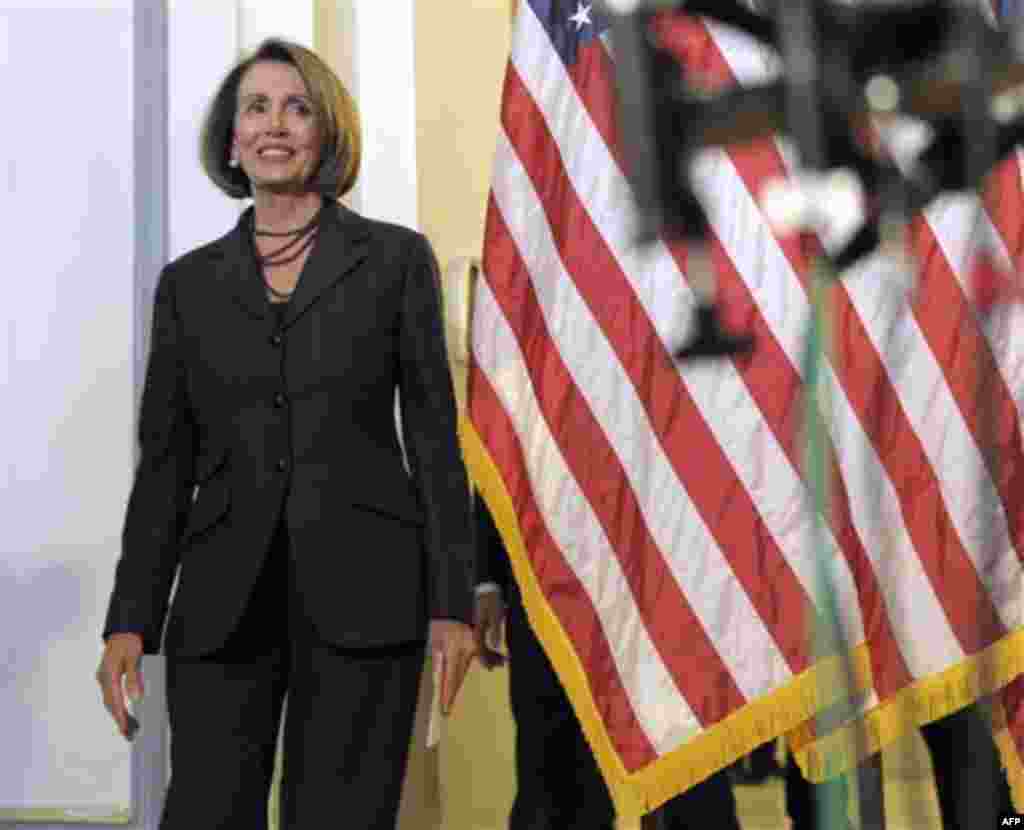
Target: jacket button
{"points": [[279, 400], [276, 339], [282, 465]]}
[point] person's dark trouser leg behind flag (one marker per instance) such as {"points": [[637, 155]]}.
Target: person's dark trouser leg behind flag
{"points": [[967, 767], [559, 784]]}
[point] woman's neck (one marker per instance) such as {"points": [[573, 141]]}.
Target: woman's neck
{"points": [[279, 212]]}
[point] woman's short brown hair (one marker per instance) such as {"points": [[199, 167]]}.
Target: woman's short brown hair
{"points": [[333, 106]]}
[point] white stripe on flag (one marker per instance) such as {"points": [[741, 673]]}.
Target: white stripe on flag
{"points": [[781, 299], [911, 604], [952, 218], [660, 709], [675, 524], [875, 509], [750, 61], [744, 435], [970, 497]]}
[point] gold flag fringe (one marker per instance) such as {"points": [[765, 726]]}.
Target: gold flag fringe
{"points": [[710, 750], [975, 678], [788, 711]]}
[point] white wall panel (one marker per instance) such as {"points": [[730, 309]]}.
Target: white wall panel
{"points": [[70, 342], [260, 19], [204, 42], [68, 389], [203, 45], [383, 73]]}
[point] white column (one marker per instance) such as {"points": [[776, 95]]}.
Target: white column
{"points": [[259, 19], [203, 45], [383, 74], [67, 172], [204, 42]]}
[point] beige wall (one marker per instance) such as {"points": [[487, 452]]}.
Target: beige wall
{"points": [[333, 36], [461, 52]]}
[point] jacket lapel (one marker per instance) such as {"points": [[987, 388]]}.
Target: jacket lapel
{"points": [[242, 271], [343, 243]]}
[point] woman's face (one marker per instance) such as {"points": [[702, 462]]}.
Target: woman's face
{"points": [[277, 139]]}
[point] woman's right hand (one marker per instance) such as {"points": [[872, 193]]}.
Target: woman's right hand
{"points": [[119, 674]]}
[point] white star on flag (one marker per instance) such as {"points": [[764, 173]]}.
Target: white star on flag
{"points": [[582, 16]]}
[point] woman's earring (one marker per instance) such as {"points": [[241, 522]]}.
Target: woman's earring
{"points": [[233, 162]]}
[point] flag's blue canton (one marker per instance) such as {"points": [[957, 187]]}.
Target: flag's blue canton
{"points": [[569, 35]]}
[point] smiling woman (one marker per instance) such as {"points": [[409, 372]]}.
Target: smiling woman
{"points": [[277, 137], [270, 457], [300, 80], [283, 129]]}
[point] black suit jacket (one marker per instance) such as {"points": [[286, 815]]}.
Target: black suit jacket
{"points": [[244, 420], [493, 564]]}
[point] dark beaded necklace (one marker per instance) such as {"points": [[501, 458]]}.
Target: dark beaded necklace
{"points": [[281, 295], [300, 241], [303, 229]]}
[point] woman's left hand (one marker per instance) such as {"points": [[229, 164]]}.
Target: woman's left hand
{"points": [[453, 646]]}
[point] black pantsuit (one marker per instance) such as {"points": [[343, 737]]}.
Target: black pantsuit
{"points": [[346, 728], [309, 557]]}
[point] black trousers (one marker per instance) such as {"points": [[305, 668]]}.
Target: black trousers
{"points": [[346, 732], [559, 784], [803, 797], [969, 778]]}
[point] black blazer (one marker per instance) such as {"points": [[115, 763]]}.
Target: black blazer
{"points": [[245, 420], [493, 564]]}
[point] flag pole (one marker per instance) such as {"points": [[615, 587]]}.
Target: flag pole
{"points": [[803, 58], [980, 155]]}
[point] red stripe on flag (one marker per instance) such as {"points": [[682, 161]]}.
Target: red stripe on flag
{"points": [[972, 615], [699, 673], [593, 76], [690, 446], [556, 579], [767, 373], [1004, 200], [968, 608], [950, 326], [776, 388]]}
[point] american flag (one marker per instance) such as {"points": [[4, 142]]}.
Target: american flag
{"points": [[655, 512]]}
